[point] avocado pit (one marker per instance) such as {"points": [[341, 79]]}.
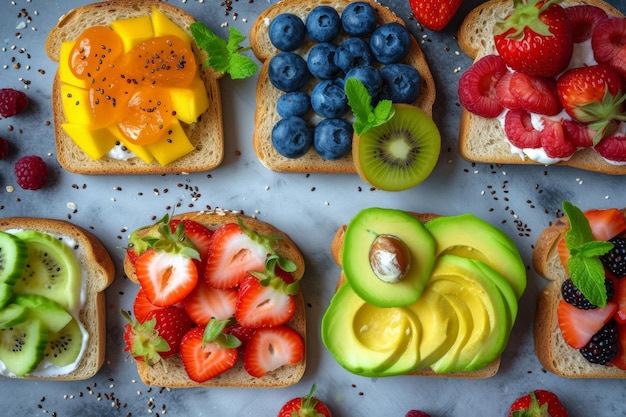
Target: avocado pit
{"points": [[389, 258]]}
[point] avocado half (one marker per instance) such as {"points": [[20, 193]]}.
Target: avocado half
{"points": [[359, 236]]}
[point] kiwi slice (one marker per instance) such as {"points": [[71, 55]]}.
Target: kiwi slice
{"points": [[65, 345], [400, 153], [13, 255], [12, 314], [51, 313], [6, 294], [22, 346], [51, 270]]}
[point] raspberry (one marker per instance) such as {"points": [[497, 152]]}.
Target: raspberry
{"points": [[613, 147], [12, 102], [4, 148], [31, 172]]}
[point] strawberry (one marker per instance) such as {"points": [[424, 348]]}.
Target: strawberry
{"points": [[613, 147], [234, 250], [206, 302], [207, 352], [554, 141], [159, 336], [477, 86], [199, 235], [578, 326], [584, 18], [520, 130], [307, 406], [536, 38], [264, 299], [535, 94], [244, 334], [607, 43], [538, 403], [434, 14], [620, 360], [620, 299], [271, 348], [142, 306], [592, 95]]}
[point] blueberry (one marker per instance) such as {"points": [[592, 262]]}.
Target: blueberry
{"points": [[332, 138], [288, 71], [328, 98], [292, 137], [358, 19], [401, 83], [390, 43], [369, 76], [321, 61], [287, 32], [352, 52], [297, 103], [323, 24]]}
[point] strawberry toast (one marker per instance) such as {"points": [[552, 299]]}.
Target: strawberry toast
{"points": [[556, 99], [220, 285], [580, 323]]}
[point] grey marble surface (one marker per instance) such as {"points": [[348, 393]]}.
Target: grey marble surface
{"points": [[521, 200]]}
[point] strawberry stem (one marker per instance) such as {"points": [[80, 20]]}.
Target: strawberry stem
{"points": [[525, 15]]}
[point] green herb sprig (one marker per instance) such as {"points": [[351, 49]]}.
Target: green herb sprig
{"points": [[225, 56], [360, 101], [585, 268]]}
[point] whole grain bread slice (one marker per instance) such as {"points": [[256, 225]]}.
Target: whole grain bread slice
{"points": [[206, 134], [171, 373], [266, 115], [99, 272], [554, 354], [482, 139]]}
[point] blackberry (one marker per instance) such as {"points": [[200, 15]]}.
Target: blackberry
{"points": [[603, 346], [615, 259], [572, 294]]}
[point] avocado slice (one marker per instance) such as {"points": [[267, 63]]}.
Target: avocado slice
{"points": [[467, 235], [368, 340], [362, 232]]}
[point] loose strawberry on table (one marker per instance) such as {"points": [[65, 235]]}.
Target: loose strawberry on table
{"points": [[307, 406], [538, 403], [434, 14]]}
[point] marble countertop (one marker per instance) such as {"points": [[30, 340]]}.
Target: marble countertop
{"points": [[521, 200]]}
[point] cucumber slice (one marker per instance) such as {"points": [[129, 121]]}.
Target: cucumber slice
{"points": [[51, 313], [51, 270], [12, 314], [64, 346], [22, 346], [6, 294], [13, 255]]}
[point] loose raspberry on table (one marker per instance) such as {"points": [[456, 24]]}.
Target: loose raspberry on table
{"points": [[12, 102], [31, 172], [4, 148]]}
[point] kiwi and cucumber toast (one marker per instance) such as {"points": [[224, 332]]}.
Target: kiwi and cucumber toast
{"points": [[314, 157], [52, 315]]}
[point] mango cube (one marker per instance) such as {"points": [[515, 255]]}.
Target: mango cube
{"points": [[140, 151], [175, 145], [65, 73], [95, 143], [76, 105], [163, 26], [189, 102], [133, 30]]}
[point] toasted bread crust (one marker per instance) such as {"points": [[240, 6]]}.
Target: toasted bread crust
{"points": [[481, 139], [552, 351], [96, 262], [206, 134], [176, 377], [267, 95], [486, 372]]}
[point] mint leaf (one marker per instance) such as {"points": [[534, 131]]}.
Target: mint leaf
{"points": [[360, 102], [585, 268], [224, 56]]}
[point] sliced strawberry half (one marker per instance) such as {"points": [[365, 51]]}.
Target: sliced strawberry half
{"points": [[578, 326], [620, 360], [607, 42], [271, 348], [520, 131], [584, 18], [620, 299], [206, 352], [535, 94], [205, 303], [477, 86]]}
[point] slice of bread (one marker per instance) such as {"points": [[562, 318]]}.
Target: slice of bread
{"points": [[553, 353], [483, 140], [490, 370], [266, 115], [175, 376], [97, 266], [206, 134]]}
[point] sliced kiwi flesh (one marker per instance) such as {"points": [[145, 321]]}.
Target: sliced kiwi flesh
{"points": [[65, 345], [22, 346], [399, 154], [13, 255], [51, 270]]}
